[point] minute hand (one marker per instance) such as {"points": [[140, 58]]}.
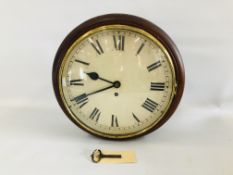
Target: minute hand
{"points": [[115, 84], [100, 90]]}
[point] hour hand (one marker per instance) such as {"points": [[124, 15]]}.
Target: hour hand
{"points": [[95, 76]]}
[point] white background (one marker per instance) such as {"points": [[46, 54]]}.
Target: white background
{"points": [[37, 138]]}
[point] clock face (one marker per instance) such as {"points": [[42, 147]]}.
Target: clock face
{"points": [[117, 81]]}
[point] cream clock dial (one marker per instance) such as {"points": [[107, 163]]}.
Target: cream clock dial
{"points": [[116, 81]]}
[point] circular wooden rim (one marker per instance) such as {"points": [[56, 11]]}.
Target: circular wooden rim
{"points": [[122, 19]]}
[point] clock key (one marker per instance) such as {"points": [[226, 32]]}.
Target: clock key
{"points": [[97, 155]]}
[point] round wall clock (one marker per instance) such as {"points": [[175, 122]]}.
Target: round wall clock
{"points": [[118, 76]]}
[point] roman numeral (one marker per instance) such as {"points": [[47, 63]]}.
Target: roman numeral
{"points": [[140, 48], [95, 114], [76, 82], [81, 100], [154, 66], [97, 47], [119, 42], [135, 117], [82, 62], [149, 105], [114, 122], [157, 86]]}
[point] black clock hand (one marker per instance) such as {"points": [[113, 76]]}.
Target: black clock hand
{"points": [[95, 76], [100, 90], [116, 84], [83, 97]]}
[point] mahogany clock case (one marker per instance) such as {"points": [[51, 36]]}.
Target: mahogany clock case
{"points": [[130, 20]]}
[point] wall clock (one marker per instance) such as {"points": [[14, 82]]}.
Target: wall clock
{"points": [[118, 76]]}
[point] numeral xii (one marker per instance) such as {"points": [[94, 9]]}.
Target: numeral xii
{"points": [[119, 42]]}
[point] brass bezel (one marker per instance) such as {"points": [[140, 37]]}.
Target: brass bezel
{"points": [[120, 27]]}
